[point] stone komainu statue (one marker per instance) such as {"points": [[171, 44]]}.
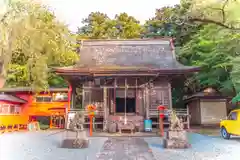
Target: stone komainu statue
{"points": [[76, 125], [175, 122]]}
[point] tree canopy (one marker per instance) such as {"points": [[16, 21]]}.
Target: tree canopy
{"points": [[99, 26], [203, 37], [206, 34], [32, 42]]}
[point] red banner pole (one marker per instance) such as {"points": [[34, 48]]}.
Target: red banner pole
{"points": [[90, 125], [69, 96], [162, 129]]}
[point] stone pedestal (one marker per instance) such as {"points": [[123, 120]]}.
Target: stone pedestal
{"points": [[70, 141], [112, 127], [176, 139]]}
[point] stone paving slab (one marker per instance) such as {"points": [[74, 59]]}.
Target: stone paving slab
{"points": [[45, 146], [41, 146], [203, 148], [125, 148]]}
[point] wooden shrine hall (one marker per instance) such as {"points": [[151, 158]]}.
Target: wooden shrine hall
{"points": [[125, 79]]}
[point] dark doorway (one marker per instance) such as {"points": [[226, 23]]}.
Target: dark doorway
{"points": [[130, 105]]}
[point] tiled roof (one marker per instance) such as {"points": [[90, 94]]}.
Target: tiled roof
{"points": [[29, 89], [142, 54], [11, 98]]}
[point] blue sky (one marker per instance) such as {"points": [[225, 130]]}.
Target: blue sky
{"points": [[73, 11]]}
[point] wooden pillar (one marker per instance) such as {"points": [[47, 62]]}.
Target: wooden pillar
{"points": [[105, 108], [125, 104], [114, 96], [144, 101], [147, 102], [188, 118], [73, 96], [83, 97], [170, 95], [137, 95]]}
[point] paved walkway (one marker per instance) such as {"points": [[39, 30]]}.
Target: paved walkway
{"points": [[45, 146], [125, 148]]}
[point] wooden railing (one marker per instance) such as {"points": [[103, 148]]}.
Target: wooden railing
{"points": [[180, 112], [153, 113]]}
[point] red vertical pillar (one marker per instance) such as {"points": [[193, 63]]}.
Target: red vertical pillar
{"points": [[69, 96], [90, 124]]}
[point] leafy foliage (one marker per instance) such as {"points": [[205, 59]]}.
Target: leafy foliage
{"points": [[224, 13], [168, 22], [100, 26], [33, 40], [214, 49], [209, 44], [206, 34]]}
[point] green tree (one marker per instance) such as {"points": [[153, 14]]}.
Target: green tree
{"points": [[162, 23], [128, 27], [214, 49], [224, 13], [95, 26], [32, 41], [168, 22], [99, 26]]}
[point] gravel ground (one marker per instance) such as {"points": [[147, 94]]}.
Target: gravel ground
{"points": [[45, 146]]}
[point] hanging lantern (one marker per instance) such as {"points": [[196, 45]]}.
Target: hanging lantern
{"points": [[161, 111], [91, 108], [161, 108], [161, 115], [91, 112]]}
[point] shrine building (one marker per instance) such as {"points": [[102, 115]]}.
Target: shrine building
{"points": [[125, 79]]}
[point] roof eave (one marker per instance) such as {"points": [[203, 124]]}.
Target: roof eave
{"points": [[145, 71]]}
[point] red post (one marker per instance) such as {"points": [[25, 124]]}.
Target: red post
{"points": [[161, 116], [90, 124], [91, 108], [69, 96]]}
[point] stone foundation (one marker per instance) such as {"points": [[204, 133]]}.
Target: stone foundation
{"points": [[176, 139], [178, 134], [73, 143], [70, 141], [174, 144], [112, 127]]}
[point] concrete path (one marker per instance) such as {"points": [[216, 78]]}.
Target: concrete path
{"points": [[45, 146]]}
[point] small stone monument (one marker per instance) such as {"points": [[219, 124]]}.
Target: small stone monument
{"points": [[76, 135], [112, 127], [176, 136]]}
